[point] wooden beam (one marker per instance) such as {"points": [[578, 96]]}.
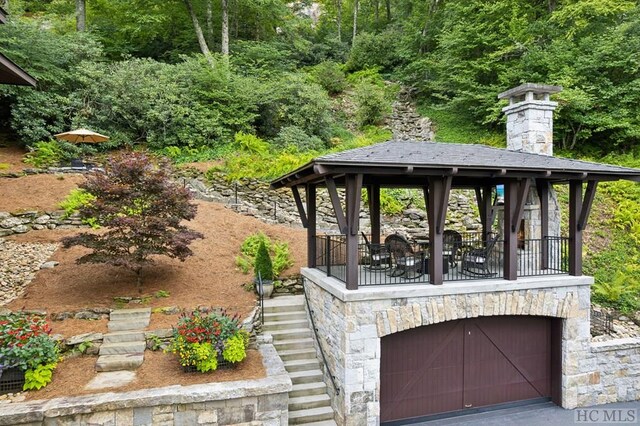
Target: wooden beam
{"points": [[543, 194], [523, 192], [575, 233], [354, 197], [425, 193], [311, 226], [586, 204], [335, 202], [510, 230], [443, 203], [373, 192], [301, 212]]}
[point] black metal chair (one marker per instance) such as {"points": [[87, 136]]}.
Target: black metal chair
{"points": [[452, 241], [476, 261], [406, 261], [378, 257]]}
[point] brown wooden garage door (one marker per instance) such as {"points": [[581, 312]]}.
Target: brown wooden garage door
{"points": [[466, 364]]}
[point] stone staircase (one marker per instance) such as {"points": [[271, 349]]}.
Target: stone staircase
{"points": [[123, 346], [286, 320]]}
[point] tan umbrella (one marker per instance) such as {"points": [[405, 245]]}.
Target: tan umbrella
{"points": [[82, 136]]}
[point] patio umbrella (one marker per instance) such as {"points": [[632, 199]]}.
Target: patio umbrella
{"points": [[82, 136]]}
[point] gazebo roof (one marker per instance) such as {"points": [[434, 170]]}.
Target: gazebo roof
{"points": [[466, 162]]}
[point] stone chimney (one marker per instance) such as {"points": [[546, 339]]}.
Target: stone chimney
{"points": [[530, 118]]}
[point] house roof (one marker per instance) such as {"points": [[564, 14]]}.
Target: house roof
{"points": [[391, 161], [3, 16], [10, 73]]}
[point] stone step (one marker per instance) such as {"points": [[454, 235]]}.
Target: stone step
{"points": [[301, 365], [284, 316], [306, 376], [139, 313], [322, 423], [311, 415], [122, 348], [124, 336], [293, 344], [293, 333], [118, 362], [284, 304], [127, 325], [308, 402], [283, 308], [313, 388], [289, 355], [284, 325]]}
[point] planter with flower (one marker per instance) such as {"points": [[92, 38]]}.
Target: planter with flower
{"points": [[28, 354], [206, 339]]}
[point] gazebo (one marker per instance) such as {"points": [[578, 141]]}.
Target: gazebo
{"points": [[436, 169]]}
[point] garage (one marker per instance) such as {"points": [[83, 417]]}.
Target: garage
{"points": [[472, 364]]}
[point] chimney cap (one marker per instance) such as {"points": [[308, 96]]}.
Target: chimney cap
{"points": [[529, 87]]}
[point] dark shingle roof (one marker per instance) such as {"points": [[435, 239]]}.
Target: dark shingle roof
{"points": [[432, 155]]}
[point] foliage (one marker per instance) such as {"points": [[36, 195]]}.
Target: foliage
{"points": [[204, 334], [372, 50], [25, 342], [295, 137], [278, 252], [77, 199], [250, 144], [371, 105], [621, 292], [330, 76], [141, 208], [262, 265], [161, 294], [38, 377], [51, 153]]}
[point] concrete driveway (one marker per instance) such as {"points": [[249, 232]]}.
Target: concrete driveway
{"points": [[548, 414]]}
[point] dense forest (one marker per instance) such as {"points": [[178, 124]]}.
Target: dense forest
{"points": [[266, 84]]}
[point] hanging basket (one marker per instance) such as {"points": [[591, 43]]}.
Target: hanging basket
{"points": [[11, 380]]}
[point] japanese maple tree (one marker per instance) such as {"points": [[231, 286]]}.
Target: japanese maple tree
{"points": [[141, 209]]}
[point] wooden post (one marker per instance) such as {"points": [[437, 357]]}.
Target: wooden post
{"points": [[510, 230], [438, 197], [485, 206], [353, 194], [575, 233], [311, 225], [374, 212], [543, 195]]}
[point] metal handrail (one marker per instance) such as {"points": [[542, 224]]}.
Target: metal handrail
{"points": [[315, 332], [261, 294]]}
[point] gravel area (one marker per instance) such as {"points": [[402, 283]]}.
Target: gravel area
{"points": [[19, 263]]}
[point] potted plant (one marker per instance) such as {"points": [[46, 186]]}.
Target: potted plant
{"points": [[263, 269], [206, 340], [28, 354]]}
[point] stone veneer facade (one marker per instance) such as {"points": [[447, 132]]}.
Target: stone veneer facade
{"points": [[351, 323]]}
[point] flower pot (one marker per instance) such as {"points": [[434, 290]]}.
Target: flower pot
{"points": [[267, 288], [11, 380]]}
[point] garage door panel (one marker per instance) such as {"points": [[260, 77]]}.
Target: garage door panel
{"points": [[463, 364]]}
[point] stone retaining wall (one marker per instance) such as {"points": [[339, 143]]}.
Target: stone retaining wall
{"points": [[256, 402], [21, 222], [616, 376]]}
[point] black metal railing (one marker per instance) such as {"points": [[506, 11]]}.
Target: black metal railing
{"points": [[468, 258], [601, 323]]}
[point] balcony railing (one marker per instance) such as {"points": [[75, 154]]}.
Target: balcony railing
{"points": [[469, 259]]}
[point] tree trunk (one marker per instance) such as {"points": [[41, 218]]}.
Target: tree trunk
{"points": [[377, 9], [81, 15], [339, 19], [139, 279], [388, 2], [201, 41], [356, 5], [210, 20], [225, 27]]}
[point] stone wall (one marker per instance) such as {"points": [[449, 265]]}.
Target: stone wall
{"points": [[21, 222], [351, 324], [616, 375], [256, 402]]}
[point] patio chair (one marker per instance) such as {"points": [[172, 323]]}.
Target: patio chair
{"points": [[452, 241], [378, 257], [406, 261], [476, 261]]}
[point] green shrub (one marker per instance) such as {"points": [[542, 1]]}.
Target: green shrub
{"points": [[38, 377], [278, 250], [330, 76], [246, 142], [375, 50], [77, 199], [45, 154], [371, 105], [621, 292], [234, 349], [263, 267], [293, 136]]}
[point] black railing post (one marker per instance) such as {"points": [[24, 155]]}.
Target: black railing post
{"points": [[327, 253]]}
